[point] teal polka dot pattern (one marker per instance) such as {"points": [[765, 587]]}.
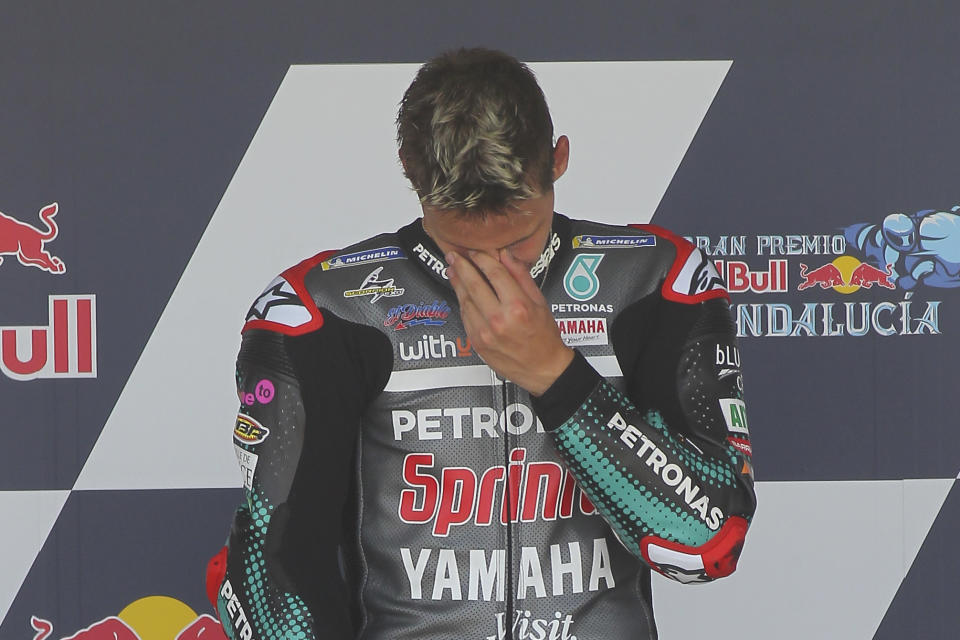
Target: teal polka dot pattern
{"points": [[272, 613], [633, 498]]}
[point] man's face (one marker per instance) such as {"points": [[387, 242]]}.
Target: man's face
{"points": [[522, 230]]}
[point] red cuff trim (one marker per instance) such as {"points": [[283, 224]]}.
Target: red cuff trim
{"points": [[216, 571], [720, 554]]}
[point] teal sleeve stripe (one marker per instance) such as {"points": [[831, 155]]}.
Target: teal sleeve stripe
{"points": [[634, 499], [273, 613]]}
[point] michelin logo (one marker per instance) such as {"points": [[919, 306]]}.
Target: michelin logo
{"points": [[613, 242], [363, 257]]}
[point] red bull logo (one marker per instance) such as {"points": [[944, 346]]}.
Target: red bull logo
{"points": [[27, 243], [845, 275], [150, 618]]}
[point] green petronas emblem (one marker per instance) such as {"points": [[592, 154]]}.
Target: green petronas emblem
{"points": [[580, 281]]}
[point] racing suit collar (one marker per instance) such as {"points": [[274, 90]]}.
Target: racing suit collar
{"points": [[422, 247]]}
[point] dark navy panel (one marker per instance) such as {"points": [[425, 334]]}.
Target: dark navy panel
{"points": [[110, 548], [134, 122]]}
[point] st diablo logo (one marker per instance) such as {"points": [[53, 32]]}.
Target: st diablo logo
{"points": [[410, 315], [66, 348]]}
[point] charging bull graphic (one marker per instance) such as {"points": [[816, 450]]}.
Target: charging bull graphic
{"points": [[150, 618], [26, 242], [826, 276], [846, 274]]}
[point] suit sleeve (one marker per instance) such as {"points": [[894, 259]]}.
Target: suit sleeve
{"points": [[295, 437], [668, 463]]}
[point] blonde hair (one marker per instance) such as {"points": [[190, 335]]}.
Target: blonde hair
{"points": [[475, 132]]}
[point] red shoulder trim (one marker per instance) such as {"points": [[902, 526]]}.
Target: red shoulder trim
{"points": [[684, 249], [294, 278]]}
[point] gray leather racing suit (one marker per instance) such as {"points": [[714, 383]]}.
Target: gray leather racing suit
{"points": [[397, 488]]}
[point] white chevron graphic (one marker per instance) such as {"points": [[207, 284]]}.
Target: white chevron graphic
{"points": [[811, 546]]}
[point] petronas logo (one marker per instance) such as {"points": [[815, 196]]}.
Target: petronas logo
{"points": [[580, 281]]}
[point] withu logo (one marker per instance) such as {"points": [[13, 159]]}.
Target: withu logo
{"points": [[435, 347]]}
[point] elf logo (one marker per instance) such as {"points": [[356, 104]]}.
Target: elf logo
{"points": [[65, 348], [249, 431]]}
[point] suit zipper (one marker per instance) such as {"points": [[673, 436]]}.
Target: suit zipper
{"points": [[508, 501]]}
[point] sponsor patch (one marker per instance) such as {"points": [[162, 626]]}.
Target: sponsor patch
{"points": [[735, 415], [373, 286], [436, 347], [411, 315], [279, 303], [262, 393], [697, 275], [546, 257], [363, 257], [248, 465], [613, 242], [728, 355], [432, 261], [524, 625], [238, 617], [580, 281], [581, 332], [674, 476], [581, 308], [742, 445], [249, 431]]}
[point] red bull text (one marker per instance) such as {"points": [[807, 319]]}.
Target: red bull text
{"points": [[65, 348]]}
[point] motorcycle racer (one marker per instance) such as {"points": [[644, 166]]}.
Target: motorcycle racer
{"points": [[493, 422]]}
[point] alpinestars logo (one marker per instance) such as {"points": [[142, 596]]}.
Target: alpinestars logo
{"points": [[279, 303], [546, 257], [699, 274]]}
